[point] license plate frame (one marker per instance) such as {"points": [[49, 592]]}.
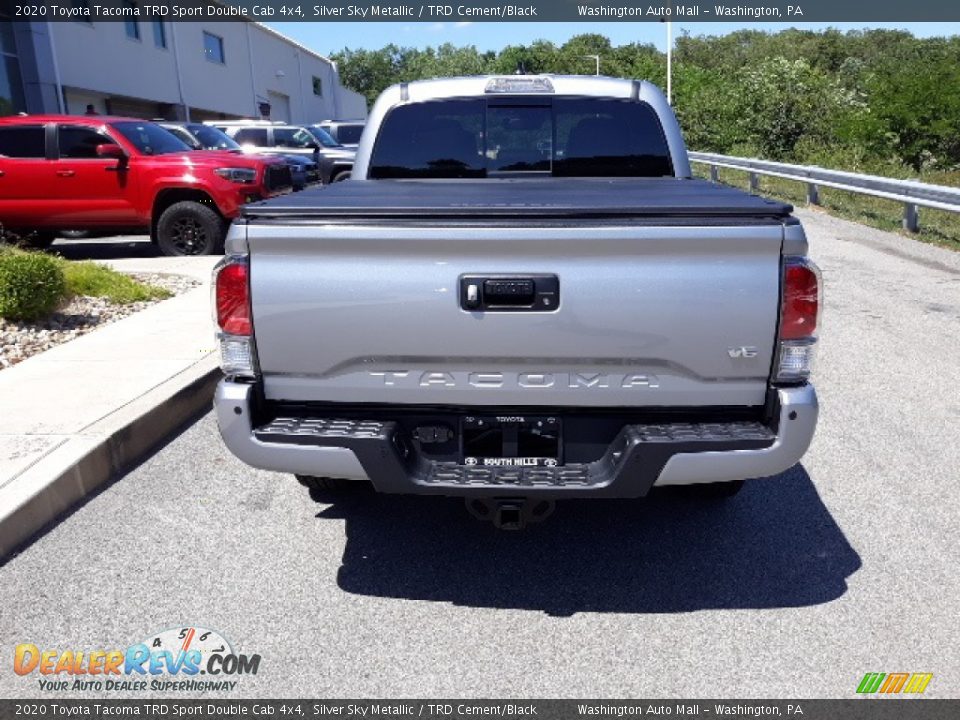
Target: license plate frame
{"points": [[511, 440]]}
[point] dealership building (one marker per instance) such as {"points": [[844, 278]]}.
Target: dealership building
{"points": [[160, 69]]}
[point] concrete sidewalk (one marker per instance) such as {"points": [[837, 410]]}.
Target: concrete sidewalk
{"points": [[79, 413]]}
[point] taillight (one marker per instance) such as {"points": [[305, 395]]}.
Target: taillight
{"points": [[231, 302], [799, 315], [801, 301], [233, 298]]}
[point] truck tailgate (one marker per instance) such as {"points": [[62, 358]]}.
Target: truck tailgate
{"points": [[680, 313]]}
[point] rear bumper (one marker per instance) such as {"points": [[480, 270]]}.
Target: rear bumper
{"points": [[640, 457]]}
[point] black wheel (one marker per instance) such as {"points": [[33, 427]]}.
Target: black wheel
{"points": [[37, 239], [341, 175], [716, 490], [189, 228], [328, 485]]}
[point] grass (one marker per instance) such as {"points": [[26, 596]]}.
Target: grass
{"points": [[936, 226], [87, 278], [92, 279]]}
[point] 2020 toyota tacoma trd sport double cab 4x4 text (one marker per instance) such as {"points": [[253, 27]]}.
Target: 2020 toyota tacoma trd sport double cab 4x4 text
{"points": [[522, 295]]}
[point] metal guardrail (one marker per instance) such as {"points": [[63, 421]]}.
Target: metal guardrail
{"points": [[911, 193]]}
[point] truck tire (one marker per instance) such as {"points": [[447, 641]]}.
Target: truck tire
{"points": [[190, 228], [330, 485], [340, 176]]}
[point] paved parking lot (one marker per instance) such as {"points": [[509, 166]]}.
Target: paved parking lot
{"points": [[796, 588]]}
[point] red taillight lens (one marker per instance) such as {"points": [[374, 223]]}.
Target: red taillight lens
{"points": [[801, 302], [233, 299]]}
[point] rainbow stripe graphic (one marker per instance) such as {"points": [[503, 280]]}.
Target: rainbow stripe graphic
{"points": [[894, 683]]}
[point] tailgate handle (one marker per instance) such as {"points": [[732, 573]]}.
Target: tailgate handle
{"points": [[509, 293]]}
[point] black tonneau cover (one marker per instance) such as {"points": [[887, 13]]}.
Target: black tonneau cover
{"points": [[545, 197]]}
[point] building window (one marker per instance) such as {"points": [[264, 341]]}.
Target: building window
{"points": [[159, 34], [317, 86], [11, 83], [132, 26], [213, 48], [84, 15]]}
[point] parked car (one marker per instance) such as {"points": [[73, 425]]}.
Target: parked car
{"points": [[485, 314], [347, 133], [263, 136], [303, 170], [340, 157], [121, 174]]}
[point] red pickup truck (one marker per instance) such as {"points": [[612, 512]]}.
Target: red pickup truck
{"points": [[112, 174]]}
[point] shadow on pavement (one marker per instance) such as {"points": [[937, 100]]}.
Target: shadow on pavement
{"points": [[107, 248], [773, 545]]}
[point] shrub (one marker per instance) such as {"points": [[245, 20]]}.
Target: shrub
{"points": [[32, 285]]}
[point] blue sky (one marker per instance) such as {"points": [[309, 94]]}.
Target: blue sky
{"points": [[327, 38]]}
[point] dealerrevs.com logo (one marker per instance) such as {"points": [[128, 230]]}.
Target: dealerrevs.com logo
{"points": [[190, 659]]}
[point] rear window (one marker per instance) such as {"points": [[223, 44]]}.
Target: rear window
{"points": [[480, 137], [252, 136], [349, 134], [26, 141]]}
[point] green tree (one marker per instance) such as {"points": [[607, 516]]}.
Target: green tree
{"points": [[873, 100]]}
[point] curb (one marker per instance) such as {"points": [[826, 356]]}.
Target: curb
{"points": [[71, 473]]}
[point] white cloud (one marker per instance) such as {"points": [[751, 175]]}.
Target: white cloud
{"points": [[462, 24]]}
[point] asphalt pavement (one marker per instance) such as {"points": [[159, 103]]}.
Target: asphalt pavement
{"points": [[846, 564]]}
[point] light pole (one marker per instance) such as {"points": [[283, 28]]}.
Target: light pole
{"points": [[669, 23], [595, 58], [669, 63]]}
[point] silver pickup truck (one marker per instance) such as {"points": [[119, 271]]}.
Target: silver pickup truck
{"points": [[522, 295]]}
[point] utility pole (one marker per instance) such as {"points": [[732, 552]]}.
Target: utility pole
{"points": [[595, 58]]}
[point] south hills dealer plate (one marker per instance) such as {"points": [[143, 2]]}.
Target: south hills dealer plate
{"points": [[510, 462], [511, 441]]}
